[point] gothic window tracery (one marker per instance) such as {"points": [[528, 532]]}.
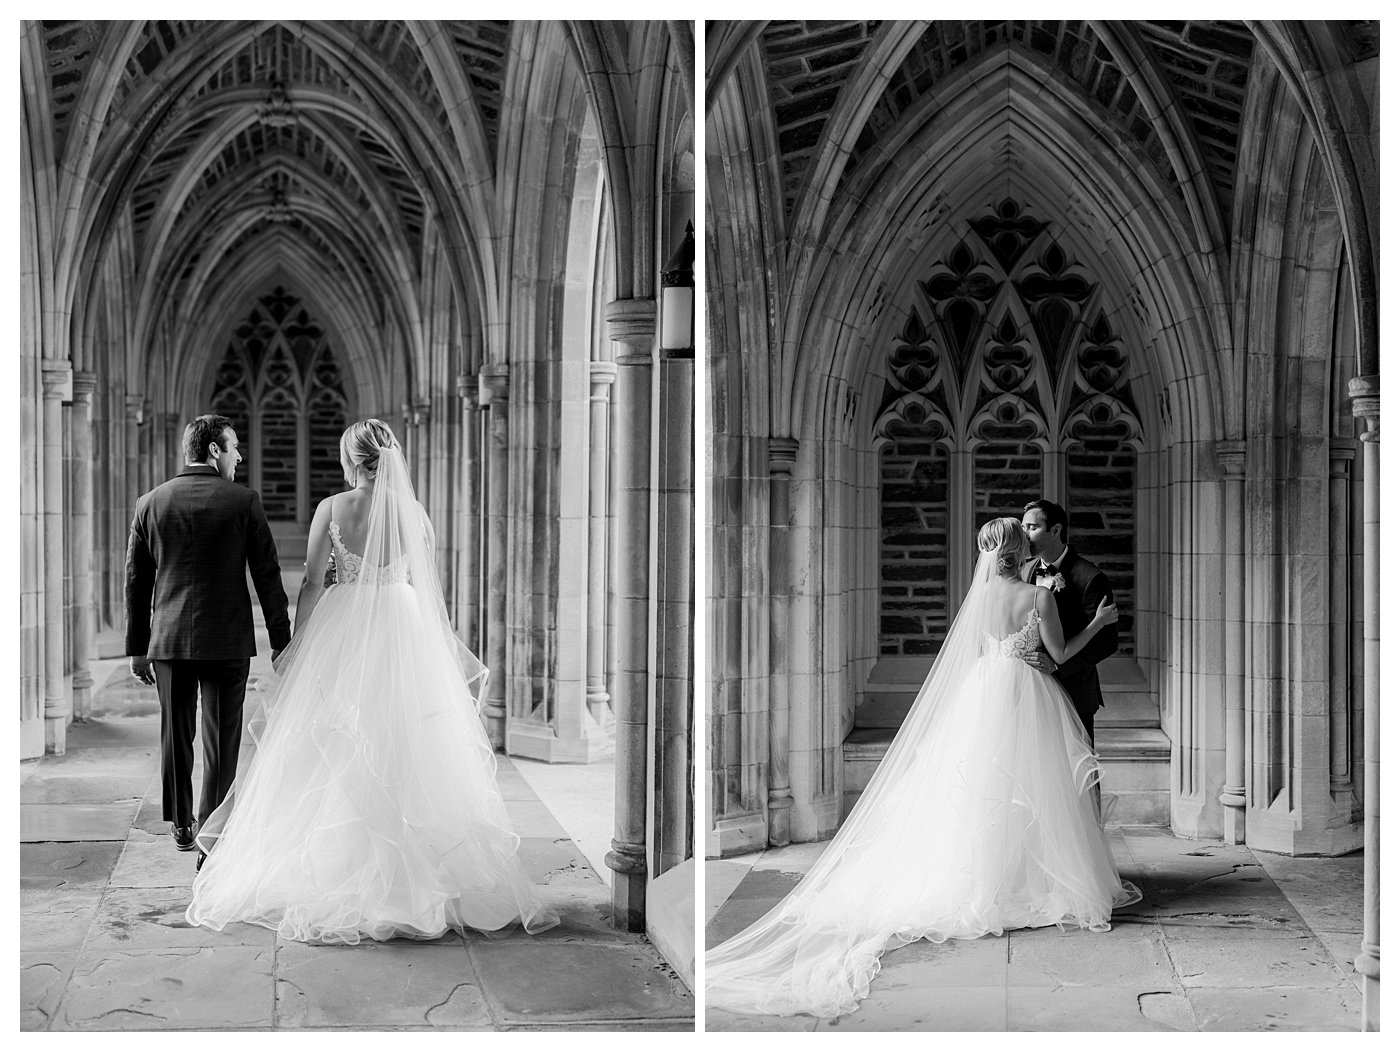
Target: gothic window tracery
{"points": [[1008, 359], [281, 384]]}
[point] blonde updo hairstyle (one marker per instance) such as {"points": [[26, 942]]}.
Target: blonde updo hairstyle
{"points": [[360, 446], [1005, 538]]}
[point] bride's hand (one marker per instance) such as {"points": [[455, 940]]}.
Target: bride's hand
{"points": [[1106, 614]]}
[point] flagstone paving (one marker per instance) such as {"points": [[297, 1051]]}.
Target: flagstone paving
{"points": [[1224, 939], [104, 944]]}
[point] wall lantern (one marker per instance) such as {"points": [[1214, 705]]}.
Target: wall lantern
{"points": [[678, 296]]}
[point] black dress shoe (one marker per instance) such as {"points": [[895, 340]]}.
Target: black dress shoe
{"points": [[184, 837], [199, 862]]}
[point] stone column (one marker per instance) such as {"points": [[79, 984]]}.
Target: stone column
{"points": [[1339, 503], [1366, 403], [782, 455], [81, 543], [494, 392], [145, 439], [58, 388], [468, 541], [419, 414], [1231, 454], [962, 531], [632, 324], [675, 607], [135, 413], [601, 376]]}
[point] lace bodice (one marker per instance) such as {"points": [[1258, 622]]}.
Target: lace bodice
{"points": [[1018, 644], [348, 565]]}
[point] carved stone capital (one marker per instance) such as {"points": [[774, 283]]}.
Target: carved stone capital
{"points": [[84, 384], [632, 323], [602, 374], [467, 391], [57, 378], [136, 409], [1365, 394], [493, 384], [782, 455], [1341, 451], [1230, 452]]}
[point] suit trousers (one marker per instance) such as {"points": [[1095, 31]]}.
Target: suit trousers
{"points": [[219, 686]]}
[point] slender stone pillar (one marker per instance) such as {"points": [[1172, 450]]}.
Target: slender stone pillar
{"points": [[58, 388], [145, 455], [1339, 502], [468, 540], [419, 415], [1366, 403], [81, 543], [782, 455], [1231, 454], [632, 324], [494, 392], [601, 376], [675, 607], [132, 443]]}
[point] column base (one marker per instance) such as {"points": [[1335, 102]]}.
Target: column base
{"points": [[55, 735], [538, 742], [629, 889], [82, 696], [495, 723], [780, 822], [1233, 819], [737, 836], [1370, 1003]]}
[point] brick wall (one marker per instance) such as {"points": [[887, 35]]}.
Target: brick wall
{"points": [[913, 544], [279, 453], [1102, 472]]}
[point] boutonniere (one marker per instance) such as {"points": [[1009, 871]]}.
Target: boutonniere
{"points": [[1053, 583]]}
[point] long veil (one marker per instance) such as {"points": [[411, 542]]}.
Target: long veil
{"points": [[818, 949], [403, 597], [399, 549]]}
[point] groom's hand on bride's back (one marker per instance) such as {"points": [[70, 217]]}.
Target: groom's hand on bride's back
{"points": [[1040, 661]]}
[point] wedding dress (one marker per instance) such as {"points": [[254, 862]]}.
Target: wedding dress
{"points": [[370, 808], [978, 820]]}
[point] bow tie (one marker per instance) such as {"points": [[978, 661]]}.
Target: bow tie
{"points": [[1044, 568]]}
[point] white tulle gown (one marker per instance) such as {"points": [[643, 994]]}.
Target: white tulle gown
{"points": [[370, 809], [979, 820]]}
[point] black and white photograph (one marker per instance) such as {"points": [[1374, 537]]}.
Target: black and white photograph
{"points": [[356, 552], [1043, 599]]}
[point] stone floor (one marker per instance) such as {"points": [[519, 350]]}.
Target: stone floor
{"points": [[1224, 939], [104, 944]]}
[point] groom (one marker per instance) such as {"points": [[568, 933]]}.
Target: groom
{"points": [[1078, 586], [189, 622]]}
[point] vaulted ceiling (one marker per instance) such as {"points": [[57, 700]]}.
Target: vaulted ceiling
{"points": [[280, 140], [1200, 69]]}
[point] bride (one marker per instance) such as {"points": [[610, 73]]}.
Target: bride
{"points": [[978, 820], [370, 809]]}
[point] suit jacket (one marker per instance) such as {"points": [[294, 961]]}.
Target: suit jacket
{"points": [[186, 592], [1085, 586]]}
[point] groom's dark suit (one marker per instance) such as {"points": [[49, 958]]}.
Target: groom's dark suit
{"points": [[187, 609], [1085, 586]]}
